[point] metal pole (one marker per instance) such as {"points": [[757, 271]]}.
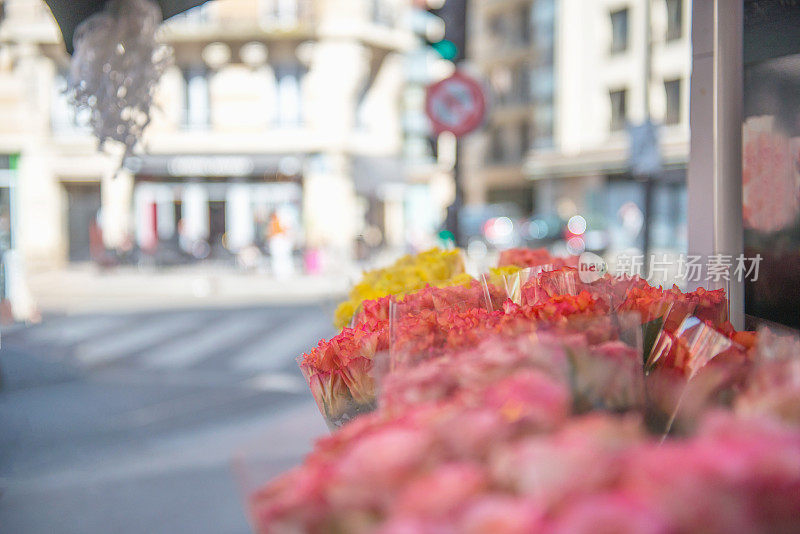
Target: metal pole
{"points": [[715, 163], [454, 13], [648, 59], [452, 222], [648, 179]]}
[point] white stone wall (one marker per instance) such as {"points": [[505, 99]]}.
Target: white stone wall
{"points": [[244, 105], [586, 72]]}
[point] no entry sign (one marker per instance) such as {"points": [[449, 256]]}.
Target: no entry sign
{"points": [[455, 104]]}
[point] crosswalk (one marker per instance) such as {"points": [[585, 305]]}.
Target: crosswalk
{"points": [[116, 345], [258, 345]]}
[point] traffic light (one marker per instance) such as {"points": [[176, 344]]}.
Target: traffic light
{"points": [[441, 24], [453, 13], [446, 48]]}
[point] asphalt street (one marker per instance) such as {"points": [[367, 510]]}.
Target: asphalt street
{"points": [[152, 421]]}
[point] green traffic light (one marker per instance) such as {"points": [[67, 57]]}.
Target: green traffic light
{"points": [[447, 237], [447, 49]]}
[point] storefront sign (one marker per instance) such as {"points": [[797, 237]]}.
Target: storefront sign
{"points": [[212, 166]]}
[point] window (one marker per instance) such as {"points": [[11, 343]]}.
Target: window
{"points": [[672, 112], [501, 81], [279, 12], [524, 138], [501, 30], [289, 93], [195, 16], [543, 120], [197, 100], [63, 117], [674, 19], [619, 31], [541, 83], [382, 12], [618, 109], [497, 26], [522, 79], [543, 19], [511, 84], [525, 25], [541, 79], [496, 149]]}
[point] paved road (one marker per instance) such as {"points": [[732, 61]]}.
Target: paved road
{"points": [[131, 423]]}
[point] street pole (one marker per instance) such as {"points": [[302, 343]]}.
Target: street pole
{"points": [[454, 13], [452, 222], [648, 178]]}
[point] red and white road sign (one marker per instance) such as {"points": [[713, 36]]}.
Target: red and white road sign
{"points": [[455, 104]]}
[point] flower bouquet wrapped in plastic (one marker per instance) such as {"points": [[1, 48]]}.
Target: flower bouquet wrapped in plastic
{"points": [[340, 371], [690, 371], [773, 386], [607, 373]]}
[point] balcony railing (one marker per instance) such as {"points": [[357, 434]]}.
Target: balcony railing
{"points": [[272, 15], [285, 14]]}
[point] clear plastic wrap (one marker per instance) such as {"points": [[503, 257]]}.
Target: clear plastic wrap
{"points": [[773, 387], [681, 383], [607, 372]]}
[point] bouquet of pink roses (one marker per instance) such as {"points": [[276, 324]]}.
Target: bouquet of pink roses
{"points": [[547, 414], [508, 458]]}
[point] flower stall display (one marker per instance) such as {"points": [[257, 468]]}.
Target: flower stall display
{"points": [[434, 267], [474, 408]]}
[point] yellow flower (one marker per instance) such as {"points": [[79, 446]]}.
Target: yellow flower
{"points": [[436, 267], [505, 271]]}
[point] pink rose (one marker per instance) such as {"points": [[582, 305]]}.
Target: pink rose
{"points": [[609, 513]]}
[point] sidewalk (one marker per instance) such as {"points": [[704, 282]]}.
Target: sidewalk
{"points": [[85, 288]]}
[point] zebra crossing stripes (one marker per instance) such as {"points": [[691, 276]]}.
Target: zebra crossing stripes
{"points": [[117, 346], [183, 351], [269, 351], [259, 345], [68, 330]]}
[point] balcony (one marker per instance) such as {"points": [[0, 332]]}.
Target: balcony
{"points": [[234, 20]]}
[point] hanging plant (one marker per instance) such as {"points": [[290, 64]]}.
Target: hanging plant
{"points": [[115, 68]]}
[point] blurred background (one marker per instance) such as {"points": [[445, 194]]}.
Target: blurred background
{"points": [[291, 139], [153, 312]]}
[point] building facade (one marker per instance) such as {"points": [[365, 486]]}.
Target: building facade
{"points": [[568, 78], [289, 109]]}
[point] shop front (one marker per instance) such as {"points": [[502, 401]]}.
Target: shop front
{"points": [[188, 208]]}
